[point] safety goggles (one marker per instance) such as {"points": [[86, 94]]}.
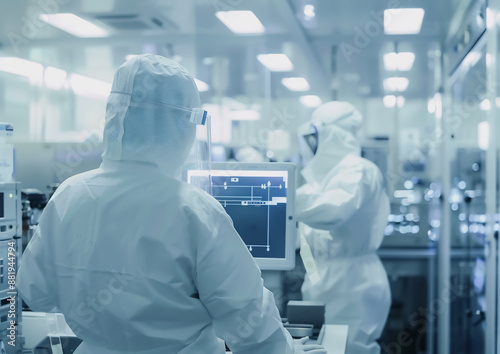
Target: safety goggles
{"points": [[196, 116], [311, 138]]}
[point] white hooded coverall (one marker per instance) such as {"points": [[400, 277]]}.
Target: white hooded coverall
{"points": [[138, 261], [344, 208]]}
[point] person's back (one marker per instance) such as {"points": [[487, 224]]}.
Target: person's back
{"points": [[359, 238], [137, 261], [343, 208], [127, 251]]}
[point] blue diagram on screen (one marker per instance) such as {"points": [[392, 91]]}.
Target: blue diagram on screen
{"points": [[257, 206]]}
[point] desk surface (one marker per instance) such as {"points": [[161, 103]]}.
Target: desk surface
{"points": [[36, 327], [332, 337]]}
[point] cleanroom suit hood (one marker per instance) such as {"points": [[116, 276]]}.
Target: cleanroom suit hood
{"points": [[140, 262], [337, 124], [146, 114], [343, 209]]}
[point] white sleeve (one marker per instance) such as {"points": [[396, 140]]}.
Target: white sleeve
{"points": [[243, 311], [31, 278], [342, 197]]}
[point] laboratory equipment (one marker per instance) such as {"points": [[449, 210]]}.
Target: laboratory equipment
{"points": [[6, 153], [308, 312], [408, 223], [10, 244], [33, 203], [466, 233], [259, 198], [48, 333]]}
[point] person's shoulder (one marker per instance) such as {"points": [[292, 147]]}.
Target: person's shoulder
{"points": [[357, 169], [75, 180], [198, 201], [359, 163], [351, 163]]}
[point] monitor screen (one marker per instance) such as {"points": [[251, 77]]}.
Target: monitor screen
{"points": [[259, 198]]}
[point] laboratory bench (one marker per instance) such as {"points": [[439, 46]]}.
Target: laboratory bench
{"points": [[37, 327]]}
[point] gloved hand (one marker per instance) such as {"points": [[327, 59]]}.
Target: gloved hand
{"points": [[300, 347]]}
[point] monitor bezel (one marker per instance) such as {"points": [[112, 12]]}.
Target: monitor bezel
{"points": [[288, 262]]}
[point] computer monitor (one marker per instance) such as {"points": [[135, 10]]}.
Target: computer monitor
{"points": [[259, 198]]}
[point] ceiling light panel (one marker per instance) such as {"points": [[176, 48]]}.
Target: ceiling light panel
{"points": [[74, 25], [403, 21], [241, 22], [399, 61], [310, 101], [296, 84], [396, 84], [276, 62]]}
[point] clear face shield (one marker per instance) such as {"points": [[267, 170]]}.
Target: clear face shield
{"points": [[187, 121], [308, 141], [199, 162]]}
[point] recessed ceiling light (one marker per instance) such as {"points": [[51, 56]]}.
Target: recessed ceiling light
{"points": [[54, 78], [241, 22], [22, 67], [296, 84], [485, 105], [389, 101], [89, 87], [74, 25], [276, 62], [398, 84], [403, 21], [399, 61], [310, 100], [246, 114]]}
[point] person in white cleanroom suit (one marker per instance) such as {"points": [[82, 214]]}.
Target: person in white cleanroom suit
{"points": [[138, 261], [343, 208]]}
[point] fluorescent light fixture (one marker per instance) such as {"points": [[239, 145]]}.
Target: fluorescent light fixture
{"points": [[485, 105], [276, 62], [201, 85], [241, 22], [483, 135], [403, 21], [296, 84], [74, 25], [389, 101], [54, 78], [399, 61], [17, 66], [246, 114], [310, 101], [398, 84], [89, 87]]}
